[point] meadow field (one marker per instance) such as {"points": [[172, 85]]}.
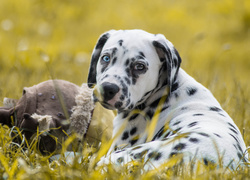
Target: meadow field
{"points": [[42, 39]]}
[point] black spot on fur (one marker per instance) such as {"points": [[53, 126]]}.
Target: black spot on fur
{"points": [[222, 114], [141, 154], [127, 62], [194, 140], [125, 91], [125, 135], [118, 105], [155, 103], [131, 106], [180, 147], [238, 145], [168, 133], [122, 97], [125, 114], [217, 135], [158, 156], [176, 123], [239, 155], [198, 114], [133, 131], [205, 161], [214, 108], [154, 155], [232, 126], [184, 108], [114, 52], [177, 130], [150, 114], [191, 91], [120, 42], [233, 130], [164, 108], [134, 80], [203, 134], [172, 154], [141, 107], [193, 124], [114, 60], [120, 160], [176, 95], [234, 138], [134, 116], [133, 141], [142, 54], [119, 151], [158, 134], [127, 70], [103, 68], [127, 80], [174, 86]]}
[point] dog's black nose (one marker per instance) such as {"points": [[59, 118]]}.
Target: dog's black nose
{"points": [[109, 90]]}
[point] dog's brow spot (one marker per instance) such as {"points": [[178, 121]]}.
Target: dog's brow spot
{"points": [[120, 42], [114, 51]]}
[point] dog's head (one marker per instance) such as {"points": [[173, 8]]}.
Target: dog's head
{"points": [[127, 66]]}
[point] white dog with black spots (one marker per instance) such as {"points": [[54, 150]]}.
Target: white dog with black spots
{"points": [[161, 111]]}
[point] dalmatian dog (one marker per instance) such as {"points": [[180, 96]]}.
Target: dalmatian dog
{"points": [[162, 112]]}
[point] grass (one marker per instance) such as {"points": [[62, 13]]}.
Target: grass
{"points": [[42, 39]]}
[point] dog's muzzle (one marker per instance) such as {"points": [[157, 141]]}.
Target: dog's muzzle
{"points": [[105, 94], [109, 90]]}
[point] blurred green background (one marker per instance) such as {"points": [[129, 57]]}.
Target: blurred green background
{"points": [[43, 39]]}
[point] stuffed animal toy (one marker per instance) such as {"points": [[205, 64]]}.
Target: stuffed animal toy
{"points": [[55, 109]]}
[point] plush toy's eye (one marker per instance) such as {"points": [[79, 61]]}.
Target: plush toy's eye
{"points": [[106, 58]]}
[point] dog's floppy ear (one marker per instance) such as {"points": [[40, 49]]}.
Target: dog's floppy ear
{"points": [[95, 56], [169, 56]]}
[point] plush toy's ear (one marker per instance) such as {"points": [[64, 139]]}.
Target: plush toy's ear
{"points": [[95, 56], [170, 58], [5, 116]]}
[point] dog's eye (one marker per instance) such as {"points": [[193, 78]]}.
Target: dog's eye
{"points": [[106, 58], [139, 67]]}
